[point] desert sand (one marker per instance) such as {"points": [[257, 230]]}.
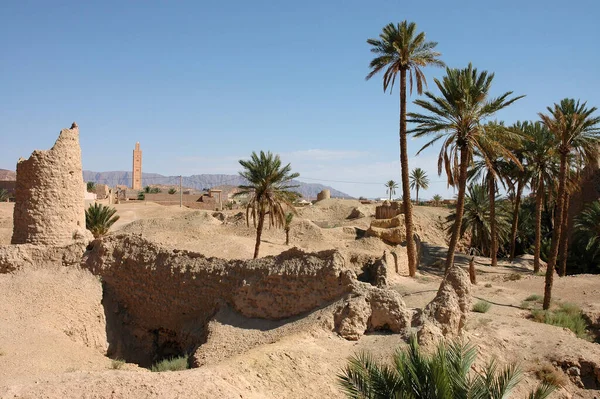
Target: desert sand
{"points": [[51, 345]]}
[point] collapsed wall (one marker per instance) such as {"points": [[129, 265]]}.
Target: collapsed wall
{"points": [[49, 195]]}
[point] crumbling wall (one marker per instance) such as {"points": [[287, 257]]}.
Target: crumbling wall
{"points": [[388, 210], [49, 195], [324, 194], [29, 256]]}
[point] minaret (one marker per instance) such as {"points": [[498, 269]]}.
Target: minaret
{"points": [[136, 183]]}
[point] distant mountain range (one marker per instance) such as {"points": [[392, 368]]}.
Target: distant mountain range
{"points": [[199, 182], [7, 175]]}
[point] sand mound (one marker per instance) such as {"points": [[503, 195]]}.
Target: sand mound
{"points": [[333, 212]]}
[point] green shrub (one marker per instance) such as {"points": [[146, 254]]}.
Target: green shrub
{"points": [[141, 196], [4, 195], [567, 315], [116, 364], [172, 191], [172, 364], [99, 219], [534, 298], [482, 307]]}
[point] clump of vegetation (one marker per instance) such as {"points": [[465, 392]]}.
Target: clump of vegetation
{"points": [[90, 187], [172, 191], [488, 285], [534, 298], [152, 190], [482, 307], [4, 195], [444, 374], [287, 226], [141, 196], [567, 315], [116, 364], [99, 219], [513, 277], [171, 364], [548, 374], [437, 200]]}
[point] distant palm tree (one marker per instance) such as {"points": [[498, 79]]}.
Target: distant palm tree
{"points": [[540, 152], [457, 116], [4, 195], [491, 168], [268, 188], [419, 179], [90, 187], [477, 221], [446, 373], [287, 226], [400, 49], [437, 200], [587, 230], [579, 135], [391, 188], [99, 219]]}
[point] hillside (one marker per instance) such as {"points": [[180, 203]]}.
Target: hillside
{"points": [[308, 190], [7, 175]]}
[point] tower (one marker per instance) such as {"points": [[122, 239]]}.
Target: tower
{"points": [[136, 183]]}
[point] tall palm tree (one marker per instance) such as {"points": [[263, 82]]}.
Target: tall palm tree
{"points": [[579, 134], [269, 185], [419, 179], [391, 187], [457, 116], [400, 49], [540, 152], [446, 373], [491, 168]]}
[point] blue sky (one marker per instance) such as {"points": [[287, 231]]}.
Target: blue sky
{"points": [[203, 84]]}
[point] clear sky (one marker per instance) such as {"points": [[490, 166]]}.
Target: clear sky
{"points": [[203, 84]]}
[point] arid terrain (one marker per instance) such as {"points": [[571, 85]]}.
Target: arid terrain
{"points": [[53, 343]]}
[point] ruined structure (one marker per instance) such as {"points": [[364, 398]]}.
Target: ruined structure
{"points": [[49, 194], [388, 210], [136, 180], [324, 194]]}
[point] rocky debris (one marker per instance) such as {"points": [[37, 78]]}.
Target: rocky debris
{"points": [[323, 195], [376, 272], [356, 214], [583, 372], [29, 256], [219, 215], [391, 230], [368, 309], [49, 196], [446, 314], [388, 210], [102, 191]]}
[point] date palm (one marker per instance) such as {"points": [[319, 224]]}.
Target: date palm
{"points": [[437, 199], [540, 150], [269, 190], [99, 219], [579, 135], [400, 49], [391, 187], [446, 373], [587, 231], [457, 117], [287, 225], [419, 179]]}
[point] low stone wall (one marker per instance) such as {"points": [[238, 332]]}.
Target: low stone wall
{"points": [[17, 257]]}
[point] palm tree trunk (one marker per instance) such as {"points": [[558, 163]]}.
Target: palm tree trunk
{"points": [[560, 199], [287, 237], [417, 195], [410, 242], [493, 227], [460, 206], [472, 274], [390, 195], [259, 229], [564, 237], [539, 196], [515, 221]]}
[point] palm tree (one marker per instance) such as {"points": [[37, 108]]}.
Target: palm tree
{"points": [[287, 225], [476, 219], [491, 168], [444, 374], [457, 116], [391, 187], [99, 219], [437, 199], [540, 153], [269, 185], [4, 195], [400, 49], [587, 230], [90, 187], [579, 134], [419, 179]]}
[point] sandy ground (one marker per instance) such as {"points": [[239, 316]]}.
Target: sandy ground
{"points": [[49, 347]]}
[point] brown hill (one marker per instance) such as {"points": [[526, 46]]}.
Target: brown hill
{"points": [[7, 175]]}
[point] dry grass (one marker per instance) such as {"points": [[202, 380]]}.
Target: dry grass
{"points": [[488, 285], [173, 364], [482, 307], [547, 373], [116, 364], [567, 315], [513, 277]]}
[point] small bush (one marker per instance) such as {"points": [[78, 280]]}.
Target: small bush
{"points": [[172, 364], [548, 374], [141, 196], [567, 315], [513, 277], [534, 298], [172, 191], [117, 364], [488, 285], [482, 307]]}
